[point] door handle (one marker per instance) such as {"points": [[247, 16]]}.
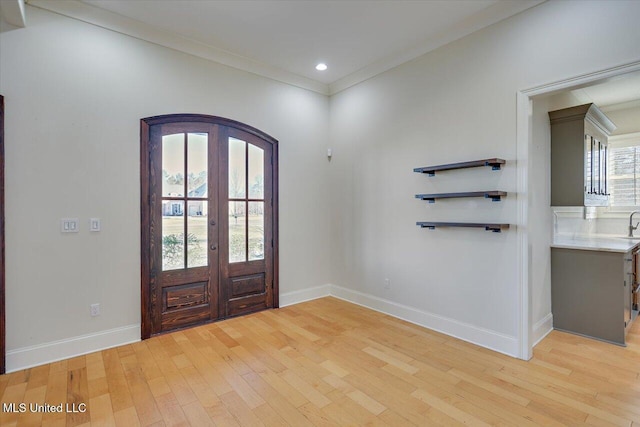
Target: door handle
{"points": [[212, 222], [213, 247]]}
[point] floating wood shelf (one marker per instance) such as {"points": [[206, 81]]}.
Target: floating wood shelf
{"points": [[496, 228], [431, 170], [493, 195]]}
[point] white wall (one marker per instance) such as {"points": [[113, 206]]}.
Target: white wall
{"points": [[74, 95], [541, 226], [627, 120], [457, 103]]}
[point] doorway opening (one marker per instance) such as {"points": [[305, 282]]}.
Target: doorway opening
{"points": [[534, 215]]}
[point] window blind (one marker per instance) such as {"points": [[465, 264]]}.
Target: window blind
{"points": [[624, 174]]}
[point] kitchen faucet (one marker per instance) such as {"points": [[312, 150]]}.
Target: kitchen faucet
{"points": [[631, 227]]}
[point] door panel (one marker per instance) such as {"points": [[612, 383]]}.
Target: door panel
{"points": [[209, 247], [246, 248], [2, 306], [184, 201]]}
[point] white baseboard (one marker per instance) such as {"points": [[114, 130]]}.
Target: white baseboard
{"points": [[483, 337], [27, 357], [541, 329], [296, 297]]}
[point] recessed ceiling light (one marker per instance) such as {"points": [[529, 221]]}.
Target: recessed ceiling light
{"points": [[321, 67]]}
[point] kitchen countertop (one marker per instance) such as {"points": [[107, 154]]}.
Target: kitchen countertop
{"points": [[595, 242]]}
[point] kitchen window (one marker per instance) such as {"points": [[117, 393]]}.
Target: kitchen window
{"points": [[624, 170]]}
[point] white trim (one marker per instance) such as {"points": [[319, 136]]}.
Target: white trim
{"points": [[296, 297], [597, 118], [569, 211], [120, 24], [542, 328], [13, 12], [524, 131], [524, 142], [483, 337], [27, 357], [112, 21], [36, 355], [581, 80], [489, 16]]}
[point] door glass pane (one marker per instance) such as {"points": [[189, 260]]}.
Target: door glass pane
{"points": [[173, 165], [596, 165], [197, 241], [197, 164], [237, 168], [237, 232], [588, 172], [256, 230], [172, 234], [256, 172]]}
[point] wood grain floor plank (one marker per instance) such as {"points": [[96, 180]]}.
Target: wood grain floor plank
{"points": [[197, 415], [126, 417], [330, 363]]}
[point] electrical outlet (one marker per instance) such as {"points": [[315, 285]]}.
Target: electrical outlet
{"points": [[95, 310], [387, 284]]}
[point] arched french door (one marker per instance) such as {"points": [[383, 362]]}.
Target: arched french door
{"points": [[2, 306], [209, 221]]}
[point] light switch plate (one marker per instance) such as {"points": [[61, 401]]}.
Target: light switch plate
{"points": [[94, 224], [69, 225]]}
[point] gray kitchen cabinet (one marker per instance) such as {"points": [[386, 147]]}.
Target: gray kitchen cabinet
{"points": [[579, 152], [591, 292]]}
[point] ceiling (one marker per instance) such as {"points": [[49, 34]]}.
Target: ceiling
{"points": [[285, 39], [619, 91]]}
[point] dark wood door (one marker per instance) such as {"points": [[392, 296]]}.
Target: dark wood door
{"points": [[247, 254], [209, 221], [2, 312]]}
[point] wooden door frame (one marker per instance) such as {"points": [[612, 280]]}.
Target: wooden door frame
{"points": [[145, 202], [2, 305]]}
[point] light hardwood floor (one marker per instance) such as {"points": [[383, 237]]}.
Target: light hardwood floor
{"points": [[331, 363]]}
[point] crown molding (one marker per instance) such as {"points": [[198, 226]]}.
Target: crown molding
{"points": [[84, 12], [489, 16], [120, 24], [13, 12]]}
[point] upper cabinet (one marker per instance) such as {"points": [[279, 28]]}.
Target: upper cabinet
{"points": [[579, 152]]}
